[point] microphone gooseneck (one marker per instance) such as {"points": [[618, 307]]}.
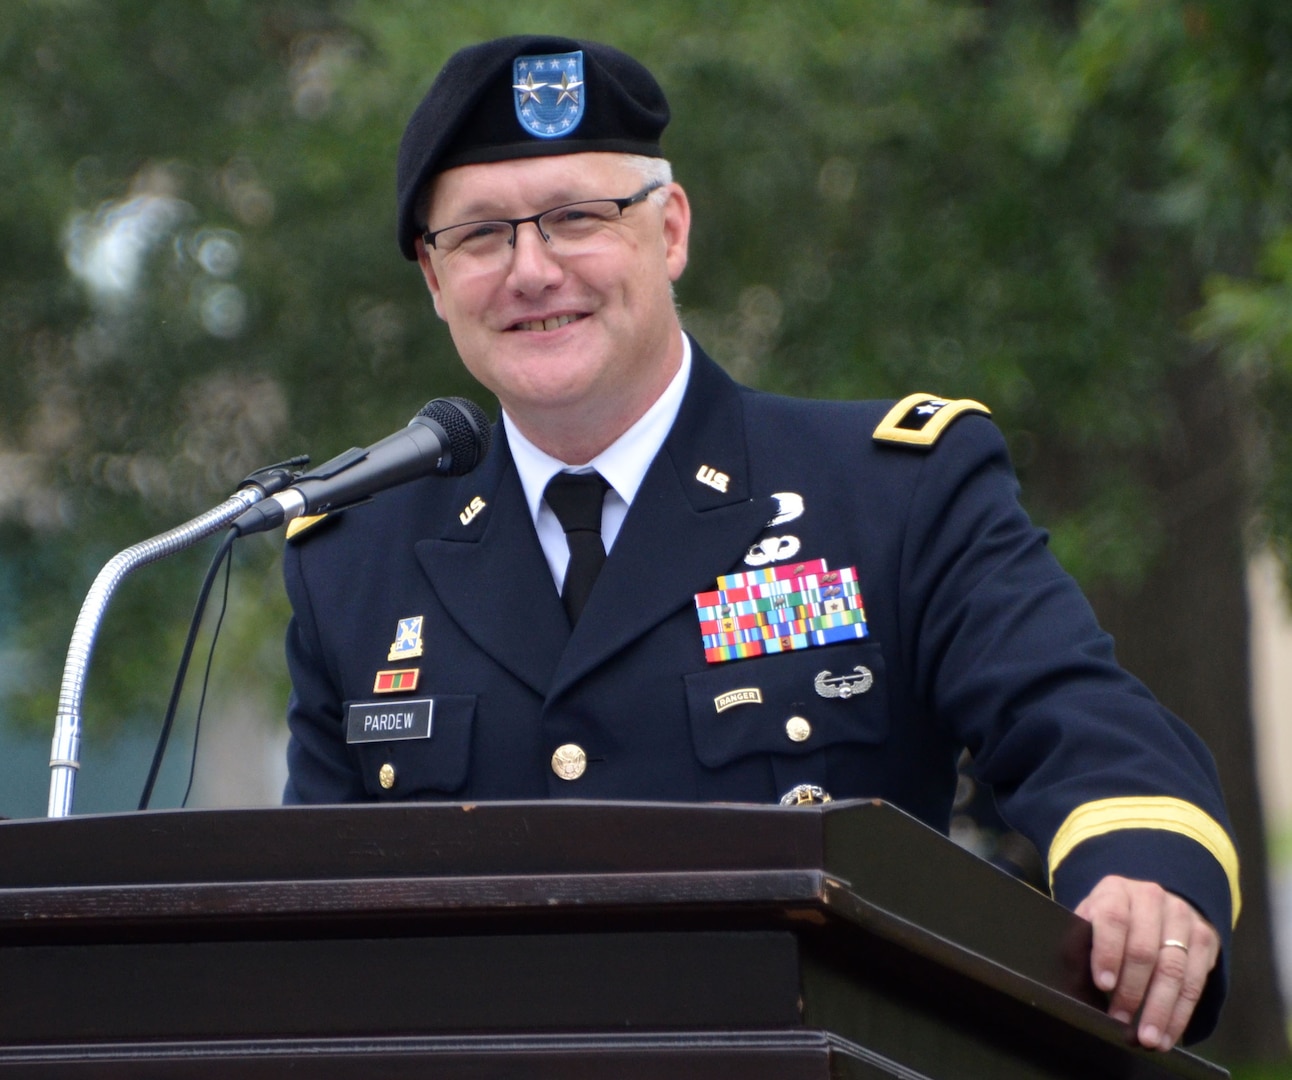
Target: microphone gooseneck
{"points": [[449, 436]]}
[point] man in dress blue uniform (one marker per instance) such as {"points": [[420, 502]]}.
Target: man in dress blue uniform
{"points": [[661, 585]]}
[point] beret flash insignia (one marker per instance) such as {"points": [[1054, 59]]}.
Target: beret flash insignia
{"points": [[549, 93], [920, 419]]}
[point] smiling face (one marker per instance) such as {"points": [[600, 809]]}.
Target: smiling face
{"points": [[576, 347]]}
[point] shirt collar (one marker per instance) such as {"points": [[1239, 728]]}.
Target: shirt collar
{"points": [[623, 463]]}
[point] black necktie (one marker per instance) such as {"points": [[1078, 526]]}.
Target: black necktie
{"points": [[576, 499]]}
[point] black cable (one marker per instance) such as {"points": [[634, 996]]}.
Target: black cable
{"points": [[206, 678], [270, 480], [168, 721]]}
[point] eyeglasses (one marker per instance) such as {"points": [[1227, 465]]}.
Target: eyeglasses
{"points": [[571, 229]]}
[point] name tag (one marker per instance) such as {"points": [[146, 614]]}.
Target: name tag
{"points": [[384, 721]]}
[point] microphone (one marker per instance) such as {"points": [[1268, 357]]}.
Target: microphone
{"points": [[449, 437]]}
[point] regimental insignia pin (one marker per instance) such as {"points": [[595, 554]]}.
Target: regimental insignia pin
{"points": [[408, 639], [470, 511], [549, 93], [844, 686], [397, 681], [748, 695], [711, 477]]}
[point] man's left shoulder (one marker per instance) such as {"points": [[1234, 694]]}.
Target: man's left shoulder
{"points": [[917, 421], [920, 420]]}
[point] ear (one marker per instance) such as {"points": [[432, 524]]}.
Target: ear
{"points": [[677, 230], [428, 273]]}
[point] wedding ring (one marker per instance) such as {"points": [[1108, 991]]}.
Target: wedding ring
{"points": [[1172, 943]]}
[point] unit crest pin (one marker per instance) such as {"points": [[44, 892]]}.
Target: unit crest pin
{"points": [[408, 639]]}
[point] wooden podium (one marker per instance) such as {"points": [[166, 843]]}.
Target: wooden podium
{"points": [[538, 940]]}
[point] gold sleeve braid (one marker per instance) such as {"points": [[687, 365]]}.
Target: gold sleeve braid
{"points": [[1105, 816]]}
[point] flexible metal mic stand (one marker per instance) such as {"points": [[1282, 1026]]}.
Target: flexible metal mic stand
{"points": [[65, 753]]}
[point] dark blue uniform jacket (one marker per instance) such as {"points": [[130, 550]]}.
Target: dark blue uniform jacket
{"points": [[976, 638]]}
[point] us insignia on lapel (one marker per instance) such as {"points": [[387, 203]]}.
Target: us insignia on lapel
{"points": [[920, 419], [711, 477]]}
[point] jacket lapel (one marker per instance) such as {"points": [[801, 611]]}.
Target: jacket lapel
{"points": [[692, 520], [491, 576]]}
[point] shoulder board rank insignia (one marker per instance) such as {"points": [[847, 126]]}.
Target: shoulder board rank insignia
{"points": [[299, 525], [920, 419]]}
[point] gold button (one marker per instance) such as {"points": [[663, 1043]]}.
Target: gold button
{"points": [[797, 728], [569, 761], [386, 776]]}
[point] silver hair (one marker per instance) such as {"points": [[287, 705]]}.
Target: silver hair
{"points": [[653, 170]]}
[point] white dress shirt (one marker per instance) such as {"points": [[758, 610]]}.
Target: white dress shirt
{"points": [[623, 464]]}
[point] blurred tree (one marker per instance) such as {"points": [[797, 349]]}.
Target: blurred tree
{"points": [[1077, 213]]}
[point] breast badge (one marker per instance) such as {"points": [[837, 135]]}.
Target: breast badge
{"points": [[789, 507], [829, 685], [773, 549]]}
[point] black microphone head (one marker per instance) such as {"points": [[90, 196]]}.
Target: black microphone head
{"points": [[467, 427]]}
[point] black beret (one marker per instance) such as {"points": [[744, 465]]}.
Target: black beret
{"points": [[525, 96]]}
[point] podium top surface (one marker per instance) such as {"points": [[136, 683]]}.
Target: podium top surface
{"points": [[855, 861], [850, 872], [859, 864]]}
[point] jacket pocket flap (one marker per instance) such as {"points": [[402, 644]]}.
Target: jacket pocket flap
{"points": [[406, 767], [788, 703]]}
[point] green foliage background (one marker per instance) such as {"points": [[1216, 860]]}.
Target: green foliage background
{"points": [[1050, 208], [1062, 209]]}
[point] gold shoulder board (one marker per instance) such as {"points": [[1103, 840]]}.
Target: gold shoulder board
{"points": [[920, 419], [301, 524]]}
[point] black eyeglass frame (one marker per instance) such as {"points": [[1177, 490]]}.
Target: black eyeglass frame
{"points": [[428, 236]]}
